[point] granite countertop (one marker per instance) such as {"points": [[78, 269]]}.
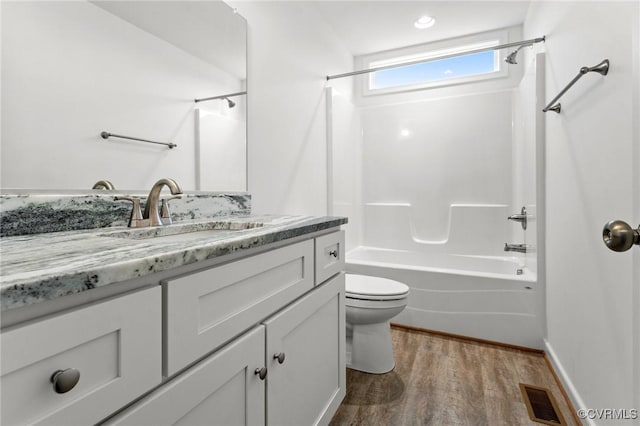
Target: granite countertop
{"points": [[40, 267]]}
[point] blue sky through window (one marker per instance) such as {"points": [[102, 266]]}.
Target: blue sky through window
{"points": [[443, 69]]}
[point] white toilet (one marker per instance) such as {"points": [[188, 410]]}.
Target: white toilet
{"points": [[370, 303]]}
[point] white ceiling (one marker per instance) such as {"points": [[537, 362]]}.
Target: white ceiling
{"points": [[374, 26]]}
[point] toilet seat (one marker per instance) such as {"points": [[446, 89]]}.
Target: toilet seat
{"points": [[363, 287]]}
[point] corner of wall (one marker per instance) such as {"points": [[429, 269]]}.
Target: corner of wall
{"points": [[566, 382]]}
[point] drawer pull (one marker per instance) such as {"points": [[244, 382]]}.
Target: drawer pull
{"points": [[65, 380], [279, 356], [334, 253], [261, 372]]}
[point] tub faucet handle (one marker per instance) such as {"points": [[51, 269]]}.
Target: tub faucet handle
{"points": [[522, 217]]}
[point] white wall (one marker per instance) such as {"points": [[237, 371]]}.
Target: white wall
{"points": [[71, 70], [592, 293], [290, 53]]}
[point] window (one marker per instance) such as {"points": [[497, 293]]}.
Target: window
{"points": [[435, 71], [455, 67]]}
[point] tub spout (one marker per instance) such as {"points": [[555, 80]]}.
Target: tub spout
{"points": [[520, 248]]}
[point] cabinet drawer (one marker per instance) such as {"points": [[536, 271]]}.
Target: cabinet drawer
{"points": [[329, 255], [206, 309], [115, 345]]}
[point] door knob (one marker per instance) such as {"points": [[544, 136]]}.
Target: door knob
{"points": [[620, 236]]}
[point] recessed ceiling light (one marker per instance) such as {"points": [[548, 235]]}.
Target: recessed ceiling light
{"points": [[424, 22]]}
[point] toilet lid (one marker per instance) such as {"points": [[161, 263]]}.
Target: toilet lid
{"points": [[374, 288]]}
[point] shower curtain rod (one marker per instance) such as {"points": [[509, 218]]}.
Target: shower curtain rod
{"points": [[530, 42], [220, 97]]}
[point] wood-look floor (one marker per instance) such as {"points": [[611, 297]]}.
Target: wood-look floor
{"points": [[445, 381]]}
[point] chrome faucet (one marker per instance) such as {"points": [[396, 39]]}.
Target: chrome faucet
{"points": [[151, 209], [520, 248]]}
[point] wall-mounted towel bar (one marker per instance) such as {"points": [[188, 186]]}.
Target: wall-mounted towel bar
{"points": [[107, 135], [601, 68]]}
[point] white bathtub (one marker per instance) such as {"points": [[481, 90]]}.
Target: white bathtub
{"points": [[475, 296]]}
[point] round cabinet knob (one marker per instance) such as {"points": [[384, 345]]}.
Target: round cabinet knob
{"points": [[619, 236], [279, 356], [261, 372], [65, 380]]}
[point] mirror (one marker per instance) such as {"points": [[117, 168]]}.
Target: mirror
{"points": [[72, 70]]}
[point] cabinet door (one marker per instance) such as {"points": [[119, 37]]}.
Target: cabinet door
{"points": [[308, 386], [114, 345], [223, 389]]}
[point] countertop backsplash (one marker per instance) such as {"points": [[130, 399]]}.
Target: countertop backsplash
{"points": [[43, 212]]}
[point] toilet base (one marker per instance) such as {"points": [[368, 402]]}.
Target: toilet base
{"points": [[369, 348]]}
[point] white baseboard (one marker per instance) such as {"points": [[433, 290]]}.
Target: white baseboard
{"points": [[571, 390]]}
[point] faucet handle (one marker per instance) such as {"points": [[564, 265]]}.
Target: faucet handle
{"points": [[165, 214], [135, 220], [522, 217]]}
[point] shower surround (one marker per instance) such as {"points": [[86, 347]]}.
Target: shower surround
{"points": [[428, 185]]}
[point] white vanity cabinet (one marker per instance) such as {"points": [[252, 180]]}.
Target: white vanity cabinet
{"points": [[115, 345], [271, 313]]}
